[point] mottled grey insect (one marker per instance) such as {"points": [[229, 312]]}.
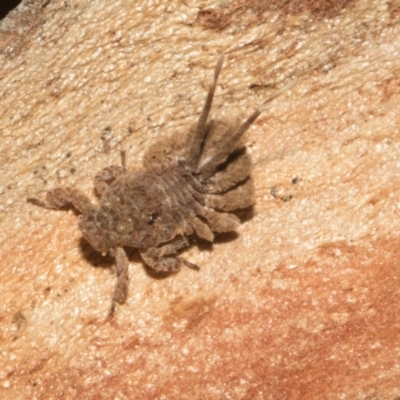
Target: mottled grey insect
{"points": [[190, 185]]}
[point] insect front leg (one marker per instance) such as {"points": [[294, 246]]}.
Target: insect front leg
{"points": [[60, 197], [106, 176], [121, 287]]}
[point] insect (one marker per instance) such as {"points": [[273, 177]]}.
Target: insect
{"points": [[189, 186]]}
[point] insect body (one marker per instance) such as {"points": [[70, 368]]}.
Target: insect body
{"points": [[190, 185]]}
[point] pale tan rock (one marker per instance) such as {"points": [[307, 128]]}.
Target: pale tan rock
{"points": [[304, 304]]}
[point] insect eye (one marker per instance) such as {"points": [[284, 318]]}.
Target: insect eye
{"points": [[152, 218]]}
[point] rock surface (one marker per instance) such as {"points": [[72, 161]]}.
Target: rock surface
{"points": [[305, 302]]}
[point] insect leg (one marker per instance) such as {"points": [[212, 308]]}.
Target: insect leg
{"points": [[106, 176], [121, 287], [165, 264], [59, 197]]}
